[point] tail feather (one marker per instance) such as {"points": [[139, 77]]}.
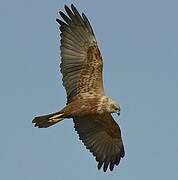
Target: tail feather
{"points": [[47, 120]]}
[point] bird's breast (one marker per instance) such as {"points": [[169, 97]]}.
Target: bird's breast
{"points": [[83, 107]]}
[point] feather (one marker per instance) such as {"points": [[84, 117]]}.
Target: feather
{"points": [[87, 24]]}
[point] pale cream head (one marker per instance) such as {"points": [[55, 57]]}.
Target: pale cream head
{"points": [[113, 106]]}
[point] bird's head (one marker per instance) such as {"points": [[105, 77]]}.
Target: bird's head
{"points": [[113, 107]]}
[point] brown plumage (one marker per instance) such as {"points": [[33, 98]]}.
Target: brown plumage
{"points": [[81, 67]]}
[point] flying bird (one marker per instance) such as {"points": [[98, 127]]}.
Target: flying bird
{"points": [[81, 67]]}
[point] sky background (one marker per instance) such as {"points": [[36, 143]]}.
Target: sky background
{"points": [[139, 44]]}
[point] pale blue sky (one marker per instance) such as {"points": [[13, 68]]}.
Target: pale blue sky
{"points": [[139, 45]]}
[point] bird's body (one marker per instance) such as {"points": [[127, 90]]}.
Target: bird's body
{"points": [[81, 67]]}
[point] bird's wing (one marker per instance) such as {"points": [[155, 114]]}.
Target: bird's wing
{"points": [[102, 136], [81, 61]]}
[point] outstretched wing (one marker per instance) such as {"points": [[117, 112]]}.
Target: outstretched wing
{"points": [[81, 61], [102, 136]]}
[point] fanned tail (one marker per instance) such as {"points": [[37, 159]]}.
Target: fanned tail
{"points": [[47, 120]]}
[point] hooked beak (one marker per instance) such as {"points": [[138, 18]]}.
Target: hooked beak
{"points": [[118, 112]]}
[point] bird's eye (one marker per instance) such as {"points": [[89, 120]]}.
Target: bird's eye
{"points": [[116, 109]]}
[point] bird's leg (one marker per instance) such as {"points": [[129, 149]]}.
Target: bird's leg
{"points": [[56, 118], [48, 120]]}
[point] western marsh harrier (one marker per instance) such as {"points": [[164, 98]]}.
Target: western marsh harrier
{"points": [[81, 67]]}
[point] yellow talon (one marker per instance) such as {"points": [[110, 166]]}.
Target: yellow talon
{"points": [[53, 120], [55, 117]]}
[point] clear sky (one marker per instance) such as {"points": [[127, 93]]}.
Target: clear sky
{"points": [[139, 45]]}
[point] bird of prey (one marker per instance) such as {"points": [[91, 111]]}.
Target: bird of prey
{"points": [[81, 67]]}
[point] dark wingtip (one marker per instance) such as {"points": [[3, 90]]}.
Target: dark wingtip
{"points": [[73, 8], [111, 167], [61, 22], [105, 167], [122, 151], [83, 14], [61, 13], [118, 160], [66, 8], [99, 165], [58, 20]]}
